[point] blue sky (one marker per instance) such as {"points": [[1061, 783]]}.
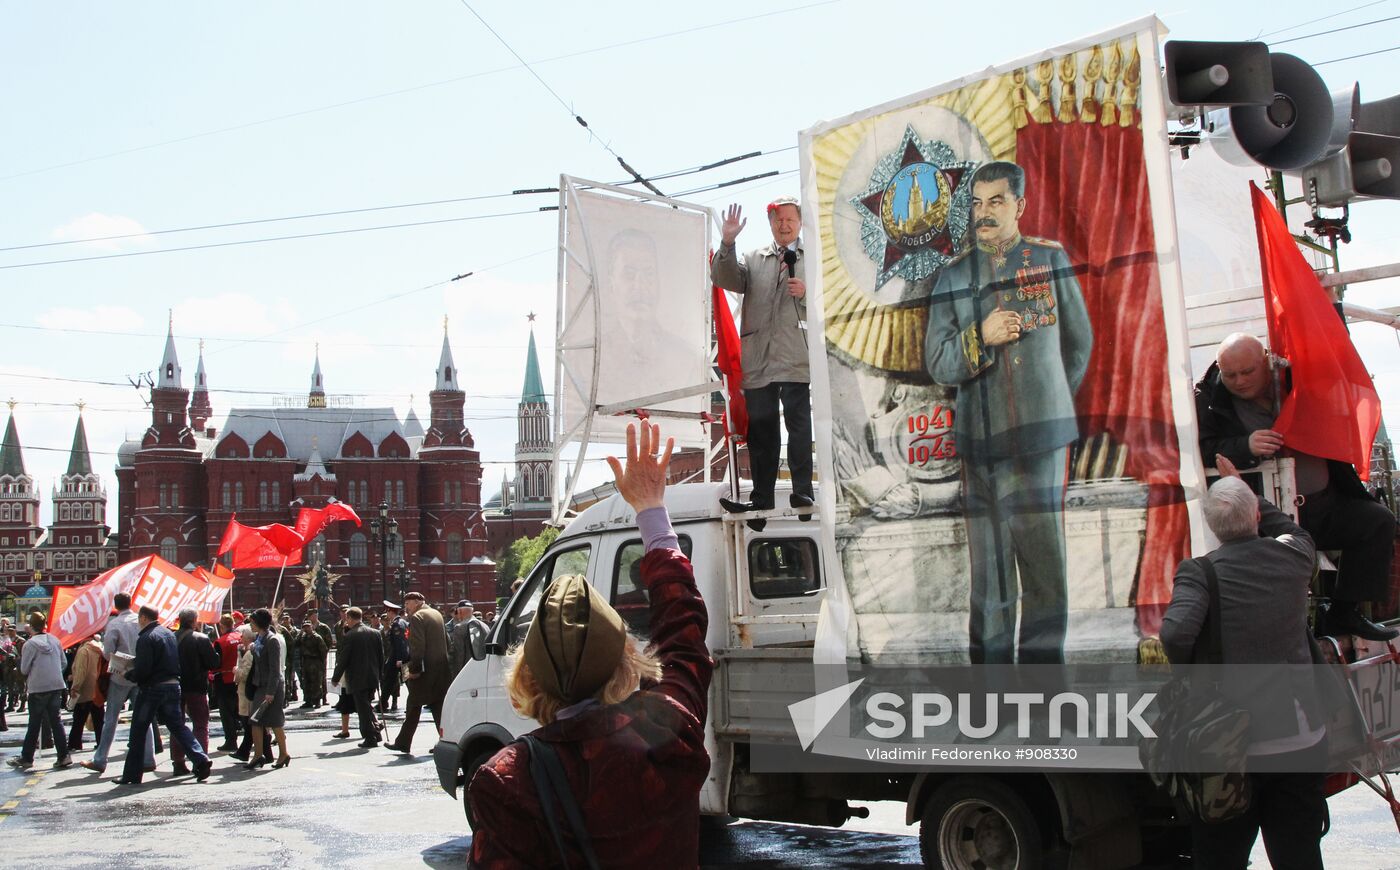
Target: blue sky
{"points": [[150, 116]]}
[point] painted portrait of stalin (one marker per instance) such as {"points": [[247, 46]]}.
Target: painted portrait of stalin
{"points": [[1008, 328]]}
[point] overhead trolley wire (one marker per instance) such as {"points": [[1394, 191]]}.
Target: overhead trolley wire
{"points": [[692, 170], [568, 108], [413, 88], [1321, 18], [325, 233], [1334, 30]]}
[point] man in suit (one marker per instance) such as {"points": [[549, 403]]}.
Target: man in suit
{"points": [[1263, 567], [428, 670], [358, 660], [1236, 405], [773, 342], [1008, 327]]}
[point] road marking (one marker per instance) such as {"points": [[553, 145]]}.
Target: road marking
{"points": [[21, 792], [9, 805], [34, 781]]}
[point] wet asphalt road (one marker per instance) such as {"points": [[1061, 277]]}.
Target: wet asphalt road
{"points": [[342, 806]]}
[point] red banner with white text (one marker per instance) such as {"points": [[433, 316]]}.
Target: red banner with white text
{"points": [[79, 611]]}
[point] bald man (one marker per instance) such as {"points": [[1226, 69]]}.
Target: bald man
{"points": [[1236, 406]]}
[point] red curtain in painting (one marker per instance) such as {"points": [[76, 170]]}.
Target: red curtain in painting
{"points": [[1086, 188]]}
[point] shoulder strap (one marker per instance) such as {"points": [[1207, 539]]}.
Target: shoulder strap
{"points": [[1215, 649], [551, 784]]}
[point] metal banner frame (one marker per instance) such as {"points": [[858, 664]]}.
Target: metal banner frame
{"points": [[579, 250]]}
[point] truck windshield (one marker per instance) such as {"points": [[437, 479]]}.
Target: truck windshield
{"points": [[573, 561]]}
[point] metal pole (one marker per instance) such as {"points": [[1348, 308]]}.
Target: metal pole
{"points": [[279, 583]]}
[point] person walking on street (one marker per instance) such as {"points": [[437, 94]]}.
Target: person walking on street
{"points": [[311, 650], [9, 670], [357, 664], [119, 648], [197, 658], [242, 674], [427, 668], [290, 659], [320, 628], [268, 690], [396, 654], [226, 684], [41, 662], [463, 632], [85, 696], [156, 671]]}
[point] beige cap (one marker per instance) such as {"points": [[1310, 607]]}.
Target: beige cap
{"points": [[576, 640]]}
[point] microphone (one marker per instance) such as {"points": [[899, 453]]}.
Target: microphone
{"points": [[790, 260]]}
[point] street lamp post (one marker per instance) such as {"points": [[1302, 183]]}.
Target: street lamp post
{"points": [[404, 577], [385, 531]]}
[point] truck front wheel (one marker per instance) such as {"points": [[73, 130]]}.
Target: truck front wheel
{"points": [[979, 823]]}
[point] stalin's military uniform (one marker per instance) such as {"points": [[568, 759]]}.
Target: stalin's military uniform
{"points": [[1014, 422]]}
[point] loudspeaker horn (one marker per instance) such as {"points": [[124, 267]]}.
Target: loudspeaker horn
{"points": [[1346, 110], [1218, 73], [1288, 133], [1380, 116], [1366, 167]]}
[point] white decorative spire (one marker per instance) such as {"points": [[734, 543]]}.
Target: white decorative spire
{"points": [[317, 396], [169, 375], [199, 385], [446, 372]]}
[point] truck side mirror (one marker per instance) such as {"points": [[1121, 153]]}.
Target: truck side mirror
{"points": [[478, 642]]}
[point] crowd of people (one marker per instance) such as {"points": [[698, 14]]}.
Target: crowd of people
{"points": [[247, 670]]}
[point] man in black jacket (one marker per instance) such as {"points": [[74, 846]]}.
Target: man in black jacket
{"points": [[156, 671], [197, 658], [1236, 404], [358, 661]]}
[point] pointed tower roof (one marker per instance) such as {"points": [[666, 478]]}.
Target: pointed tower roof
{"points": [[11, 457], [79, 460], [412, 426], [534, 387], [317, 397], [199, 385], [446, 371], [169, 375], [315, 465]]}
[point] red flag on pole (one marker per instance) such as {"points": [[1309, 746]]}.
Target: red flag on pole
{"points": [[270, 546], [310, 521], [730, 361], [1333, 410]]}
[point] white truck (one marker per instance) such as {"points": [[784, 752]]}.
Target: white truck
{"points": [[764, 591]]}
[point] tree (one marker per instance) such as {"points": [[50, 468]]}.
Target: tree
{"points": [[521, 556]]}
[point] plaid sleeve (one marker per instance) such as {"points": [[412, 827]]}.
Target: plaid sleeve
{"points": [[678, 624]]}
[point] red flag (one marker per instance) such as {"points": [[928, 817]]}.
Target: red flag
{"points": [[310, 521], [1333, 410], [269, 546], [730, 361]]}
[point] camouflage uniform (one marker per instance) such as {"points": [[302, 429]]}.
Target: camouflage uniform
{"points": [[311, 651]]}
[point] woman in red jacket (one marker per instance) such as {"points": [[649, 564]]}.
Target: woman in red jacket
{"points": [[627, 724]]}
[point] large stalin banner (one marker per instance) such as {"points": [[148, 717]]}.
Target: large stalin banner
{"points": [[1004, 350]]}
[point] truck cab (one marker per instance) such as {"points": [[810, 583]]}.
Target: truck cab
{"points": [[763, 591]]}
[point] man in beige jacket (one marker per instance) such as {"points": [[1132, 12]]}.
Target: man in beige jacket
{"points": [[773, 343], [84, 699], [428, 670]]}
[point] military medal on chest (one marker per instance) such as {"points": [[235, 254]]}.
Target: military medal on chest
{"points": [[1033, 287]]}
